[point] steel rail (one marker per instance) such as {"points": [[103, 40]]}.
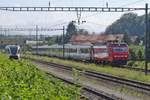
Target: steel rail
{"points": [[98, 93], [132, 83], [122, 66]]}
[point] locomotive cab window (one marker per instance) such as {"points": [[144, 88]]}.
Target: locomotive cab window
{"points": [[13, 50], [101, 51], [85, 50], [120, 49]]}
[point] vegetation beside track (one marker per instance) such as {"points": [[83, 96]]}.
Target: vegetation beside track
{"points": [[124, 73], [137, 52], [20, 80], [137, 56], [138, 64]]}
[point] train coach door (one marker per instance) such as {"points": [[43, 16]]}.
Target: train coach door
{"points": [[7, 51], [91, 53]]}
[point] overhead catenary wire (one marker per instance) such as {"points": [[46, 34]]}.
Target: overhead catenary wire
{"points": [[66, 22], [132, 3], [98, 24]]}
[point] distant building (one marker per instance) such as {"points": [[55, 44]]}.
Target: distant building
{"points": [[28, 42], [94, 38], [136, 40], [4, 42], [133, 39]]}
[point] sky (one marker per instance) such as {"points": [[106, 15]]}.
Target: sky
{"points": [[95, 21]]}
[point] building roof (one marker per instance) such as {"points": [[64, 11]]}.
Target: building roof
{"points": [[96, 38]]}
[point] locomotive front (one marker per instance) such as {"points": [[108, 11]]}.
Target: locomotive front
{"points": [[13, 51], [119, 53]]}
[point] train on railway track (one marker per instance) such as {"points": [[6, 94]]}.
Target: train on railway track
{"points": [[110, 53], [13, 51]]}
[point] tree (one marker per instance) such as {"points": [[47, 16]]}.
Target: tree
{"points": [[71, 30], [133, 54], [51, 40], [129, 23], [140, 56], [126, 38], [83, 32]]}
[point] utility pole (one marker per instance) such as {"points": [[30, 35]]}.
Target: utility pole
{"points": [[5, 32], [1, 31], [106, 4], [63, 41], [146, 38], [36, 39], [49, 3]]}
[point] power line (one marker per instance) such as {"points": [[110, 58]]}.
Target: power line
{"points": [[95, 23], [60, 24], [30, 29], [70, 9], [135, 2]]}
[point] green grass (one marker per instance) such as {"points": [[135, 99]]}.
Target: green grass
{"points": [[20, 80], [138, 64], [125, 73]]}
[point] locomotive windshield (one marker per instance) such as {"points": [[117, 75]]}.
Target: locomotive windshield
{"points": [[101, 51], [120, 49], [13, 49]]}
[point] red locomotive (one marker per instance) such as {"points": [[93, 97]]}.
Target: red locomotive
{"points": [[114, 53]]}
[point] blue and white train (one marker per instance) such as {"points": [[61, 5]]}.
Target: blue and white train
{"points": [[13, 51]]}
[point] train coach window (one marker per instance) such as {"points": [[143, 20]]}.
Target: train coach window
{"points": [[85, 50], [120, 49], [66, 49], [73, 50]]}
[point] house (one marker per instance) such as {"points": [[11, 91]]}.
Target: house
{"points": [[95, 38]]}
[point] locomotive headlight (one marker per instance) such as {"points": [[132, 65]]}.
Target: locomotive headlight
{"points": [[126, 56], [115, 56]]}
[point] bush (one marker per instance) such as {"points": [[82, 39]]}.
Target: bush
{"points": [[22, 80], [130, 63]]}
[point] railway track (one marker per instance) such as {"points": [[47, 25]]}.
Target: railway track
{"points": [[123, 66], [96, 93], [145, 87]]}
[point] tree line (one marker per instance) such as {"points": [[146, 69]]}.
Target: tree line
{"points": [[129, 24], [70, 31]]}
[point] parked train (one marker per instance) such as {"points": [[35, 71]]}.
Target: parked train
{"points": [[113, 53], [13, 51]]}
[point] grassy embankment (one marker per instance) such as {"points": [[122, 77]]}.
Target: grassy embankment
{"points": [[20, 80], [125, 73]]}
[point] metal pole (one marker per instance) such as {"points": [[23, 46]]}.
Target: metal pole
{"points": [[1, 30], [36, 39], [63, 41], [146, 38]]}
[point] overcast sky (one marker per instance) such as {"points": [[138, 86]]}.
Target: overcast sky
{"points": [[95, 22]]}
